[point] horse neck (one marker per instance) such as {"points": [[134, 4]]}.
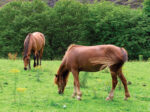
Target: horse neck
{"points": [[28, 46], [62, 70]]}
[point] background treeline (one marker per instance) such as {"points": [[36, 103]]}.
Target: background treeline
{"points": [[70, 21]]}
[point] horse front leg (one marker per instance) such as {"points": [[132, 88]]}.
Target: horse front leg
{"points": [[114, 83], [34, 60], [75, 91], [77, 84], [29, 65], [37, 57]]}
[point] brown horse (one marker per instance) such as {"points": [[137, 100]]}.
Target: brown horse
{"points": [[34, 42], [92, 59]]}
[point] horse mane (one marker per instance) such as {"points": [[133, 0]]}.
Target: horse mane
{"points": [[62, 69], [65, 75], [26, 45], [62, 73], [69, 48]]}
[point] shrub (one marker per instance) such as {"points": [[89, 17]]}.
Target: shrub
{"points": [[118, 25], [66, 26], [17, 19], [146, 7], [70, 21]]}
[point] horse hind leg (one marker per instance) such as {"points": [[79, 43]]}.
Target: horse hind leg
{"points": [[114, 83], [37, 57], [40, 57], [124, 81], [41, 54]]}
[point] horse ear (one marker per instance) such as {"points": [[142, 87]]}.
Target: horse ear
{"points": [[56, 75], [29, 34]]}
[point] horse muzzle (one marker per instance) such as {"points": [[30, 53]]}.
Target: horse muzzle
{"points": [[60, 92], [25, 68]]}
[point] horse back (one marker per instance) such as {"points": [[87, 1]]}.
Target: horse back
{"points": [[92, 58], [38, 40]]}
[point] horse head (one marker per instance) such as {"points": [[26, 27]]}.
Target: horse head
{"points": [[26, 52], [61, 81], [26, 60]]}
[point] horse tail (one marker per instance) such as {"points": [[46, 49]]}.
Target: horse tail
{"points": [[42, 35], [125, 55]]}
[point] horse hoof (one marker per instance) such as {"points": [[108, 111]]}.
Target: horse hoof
{"points": [[109, 98], [34, 65], [126, 97], [73, 96], [78, 98]]}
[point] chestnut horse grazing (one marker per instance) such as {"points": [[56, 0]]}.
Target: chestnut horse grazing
{"points": [[92, 59], [34, 42]]}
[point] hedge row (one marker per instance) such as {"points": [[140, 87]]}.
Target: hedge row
{"points": [[70, 21]]}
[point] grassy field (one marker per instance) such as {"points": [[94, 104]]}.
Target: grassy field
{"points": [[35, 91]]}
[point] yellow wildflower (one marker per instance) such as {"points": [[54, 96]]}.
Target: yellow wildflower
{"points": [[21, 89], [99, 80], [2, 77], [14, 71], [38, 67]]}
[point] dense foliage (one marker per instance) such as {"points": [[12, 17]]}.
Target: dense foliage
{"points": [[147, 7], [70, 22]]}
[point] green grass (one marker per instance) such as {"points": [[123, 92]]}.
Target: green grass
{"points": [[41, 93]]}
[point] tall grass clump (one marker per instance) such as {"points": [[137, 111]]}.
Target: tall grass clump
{"points": [[39, 72], [140, 57], [84, 79], [1, 83], [15, 77]]}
